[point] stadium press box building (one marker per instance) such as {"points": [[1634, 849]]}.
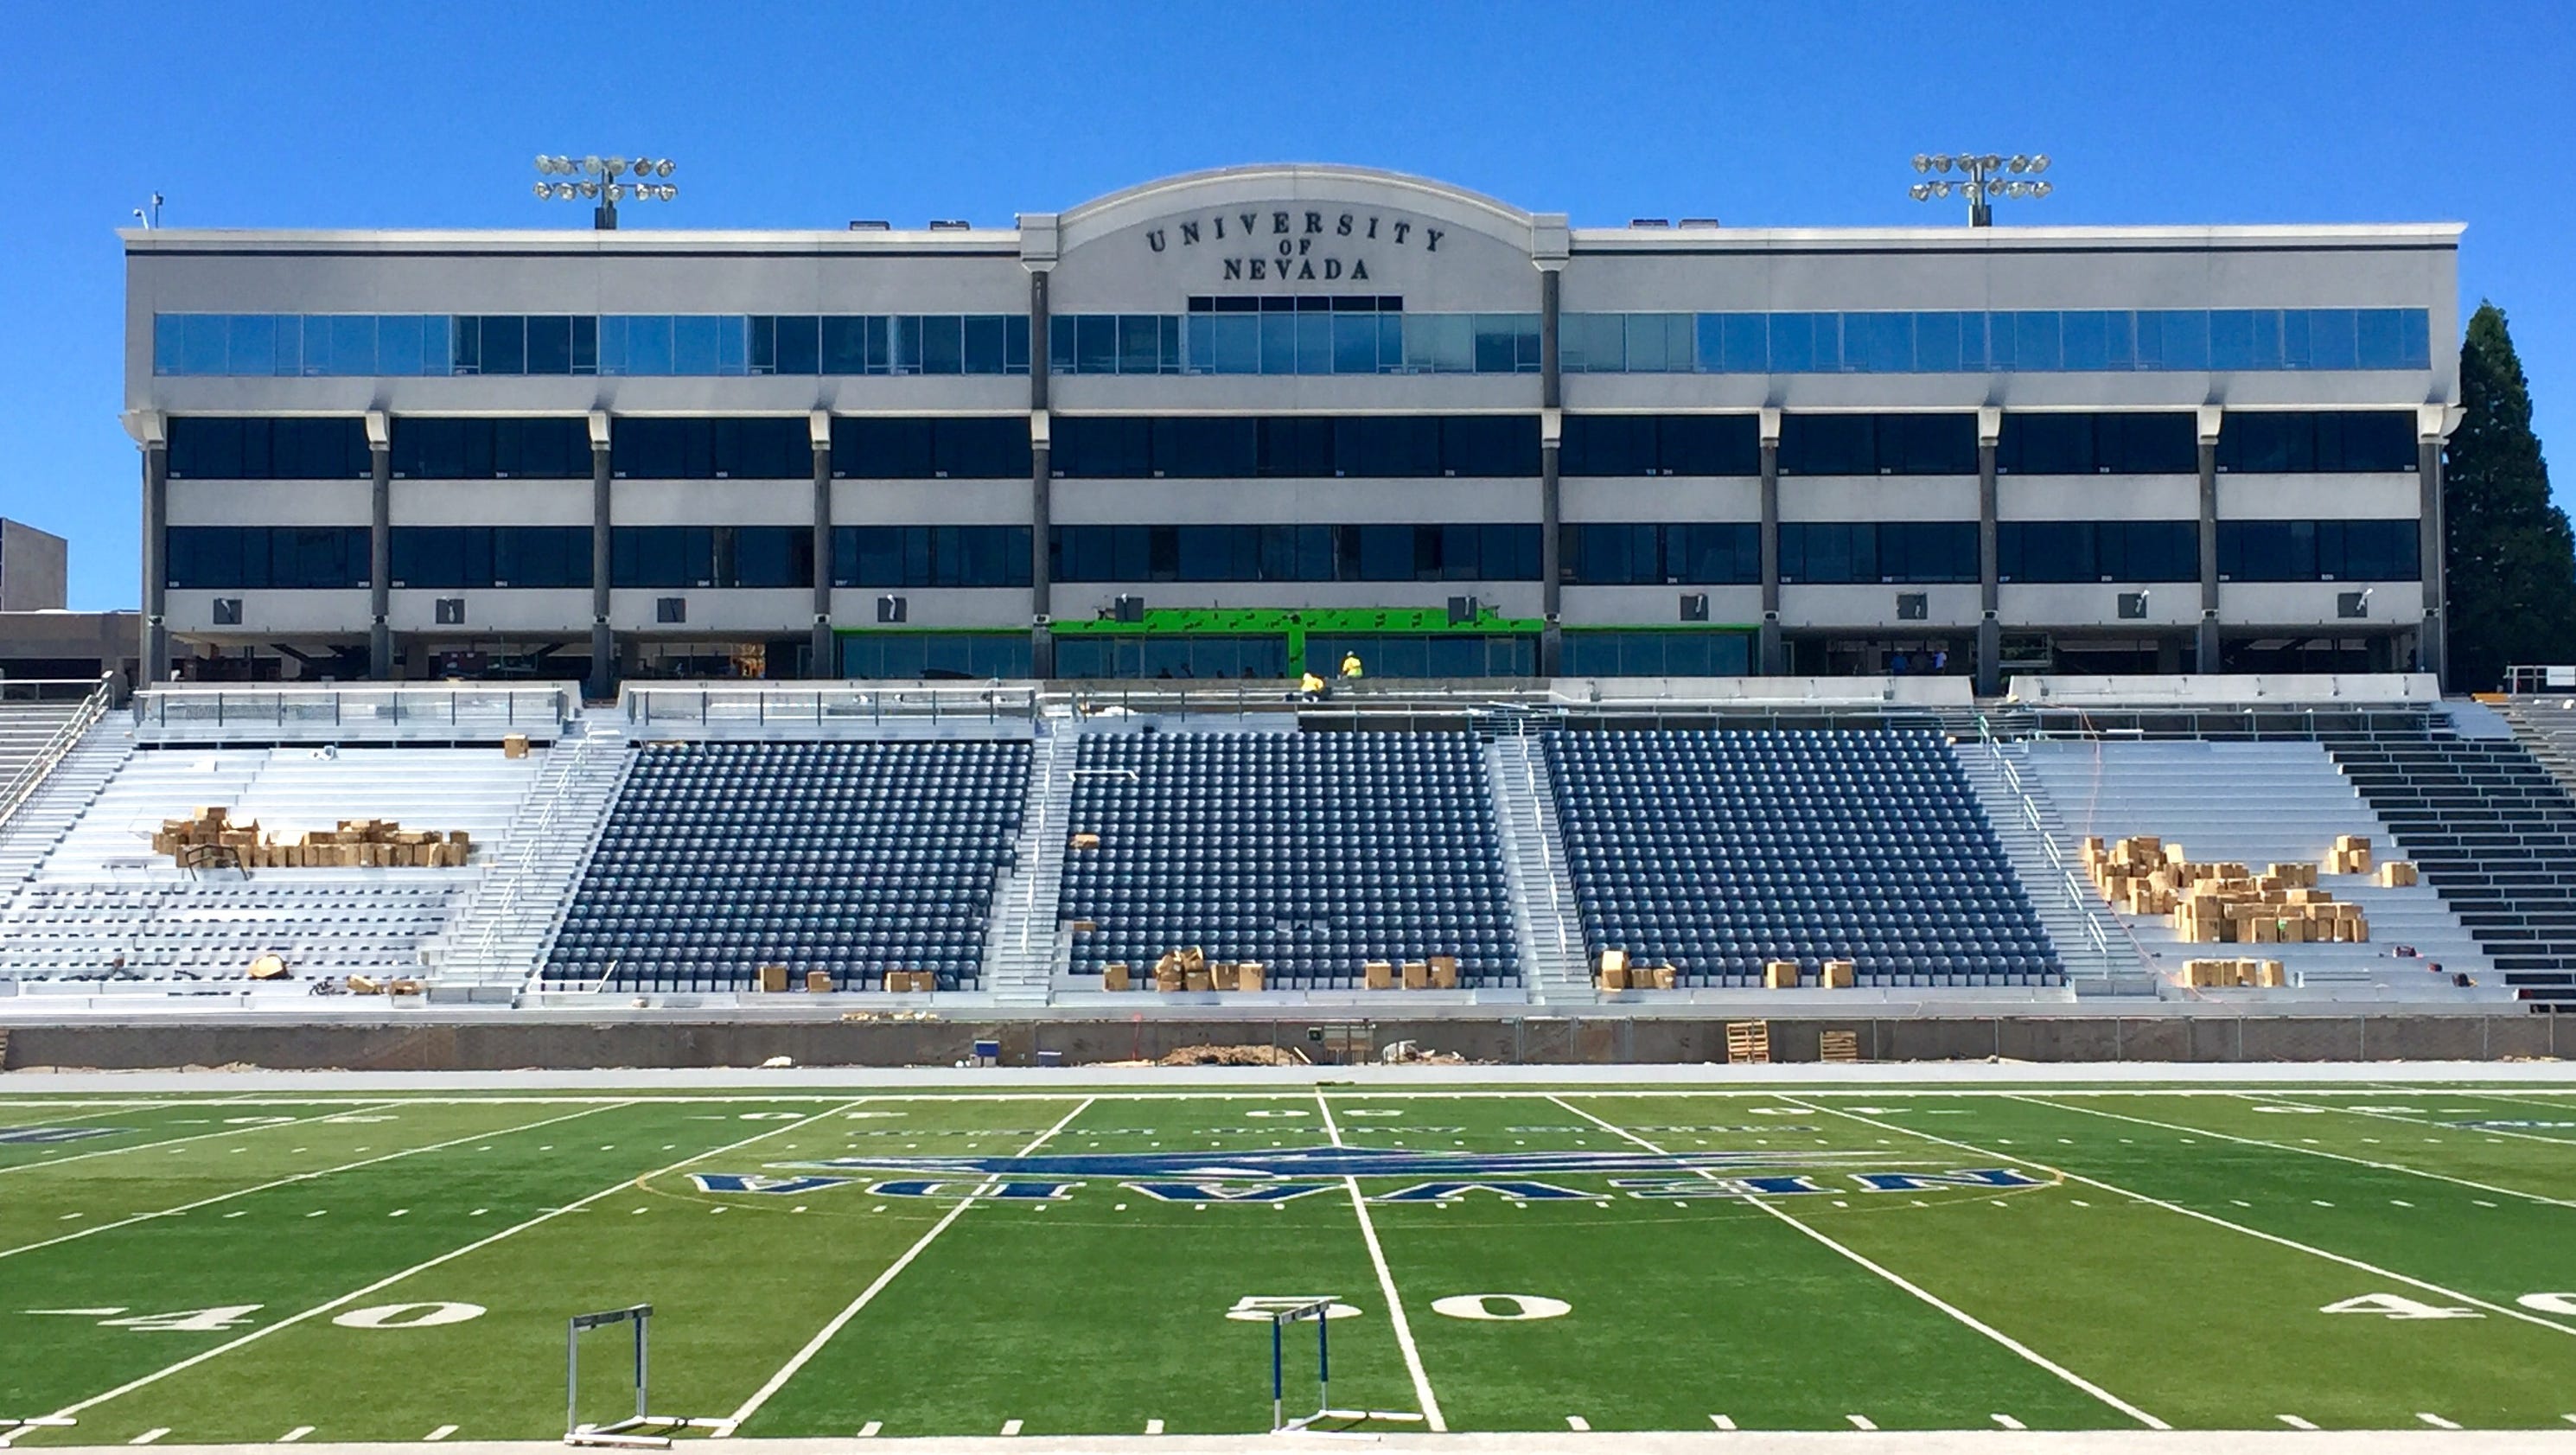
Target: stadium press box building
{"points": [[1234, 423]]}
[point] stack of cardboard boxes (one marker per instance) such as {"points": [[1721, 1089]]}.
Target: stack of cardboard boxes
{"points": [[1191, 969], [1617, 973], [209, 837], [2220, 974], [2213, 902], [2351, 855]]}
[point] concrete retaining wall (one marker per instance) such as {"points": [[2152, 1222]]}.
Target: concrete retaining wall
{"points": [[500, 1045]]}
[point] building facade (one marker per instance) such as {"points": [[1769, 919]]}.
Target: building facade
{"points": [[1230, 423]]}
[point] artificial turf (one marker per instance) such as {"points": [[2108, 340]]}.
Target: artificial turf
{"points": [[387, 1267]]}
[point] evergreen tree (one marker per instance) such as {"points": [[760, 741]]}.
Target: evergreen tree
{"points": [[2511, 562]]}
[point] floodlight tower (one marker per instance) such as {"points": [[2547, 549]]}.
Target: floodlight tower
{"points": [[600, 183], [1984, 178]]}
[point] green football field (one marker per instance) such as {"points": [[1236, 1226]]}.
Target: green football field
{"points": [[301, 1267]]}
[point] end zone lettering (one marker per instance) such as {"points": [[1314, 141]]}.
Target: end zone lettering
{"points": [[39, 1136]]}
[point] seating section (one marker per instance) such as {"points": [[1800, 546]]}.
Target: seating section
{"points": [[1716, 851], [1313, 853], [2492, 830], [102, 904], [853, 858]]}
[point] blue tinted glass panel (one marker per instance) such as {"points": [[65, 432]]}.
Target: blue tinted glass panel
{"points": [[205, 343], [2334, 338], [1354, 342], [398, 346], [253, 346], [943, 344], [2417, 326], [1936, 343], [1314, 342], [2380, 338], [1236, 346], [353, 344], [1748, 343], [985, 351], [648, 344], [168, 333], [2084, 337], [1879, 343], [2038, 343], [2231, 338], [1095, 343], [2119, 340], [1793, 343], [1278, 343], [695, 345], [290, 345]]}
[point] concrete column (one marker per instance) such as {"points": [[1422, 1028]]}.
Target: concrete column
{"points": [[1774, 654], [1990, 632], [380, 547], [1551, 489], [155, 665], [2432, 543], [824, 655], [1041, 485], [603, 641], [2205, 643]]}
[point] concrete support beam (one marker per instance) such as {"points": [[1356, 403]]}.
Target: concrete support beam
{"points": [[380, 546], [823, 657], [603, 641], [2205, 642], [1772, 656], [1990, 633]]}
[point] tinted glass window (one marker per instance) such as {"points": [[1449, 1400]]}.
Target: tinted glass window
{"points": [[204, 448], [2312, 550], [712, 449], [490, 449], [930, 555], [2299, 442], [457, 557], [911, 656], [274, 557]]}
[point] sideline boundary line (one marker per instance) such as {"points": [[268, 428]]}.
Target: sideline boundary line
{"points": [[287, 1181], [291, 1320], [1961, 1315], [2214, 1220], [2284, 1099], [778, 1381], [1432, 1419], [341, 1109], [2374, 1165]]}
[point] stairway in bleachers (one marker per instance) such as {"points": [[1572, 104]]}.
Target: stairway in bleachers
{"points": [[2546, 726], [500, 932], [849, 857], [1022, 941], [1311, 852], [2489, 827], [41, 822], [2258, 803], [1543, 912], [2100, 956], [1716, 851], [26, 729]]}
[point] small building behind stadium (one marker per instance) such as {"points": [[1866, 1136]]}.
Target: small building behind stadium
{"points": [[1237, 423]]}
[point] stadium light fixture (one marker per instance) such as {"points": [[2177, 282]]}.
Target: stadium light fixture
{"points": [[1987, 177], [600, 182]]}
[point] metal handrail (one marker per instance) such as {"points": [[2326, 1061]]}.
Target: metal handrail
{"points": [[515, 873], [1538, 832], [2067, 883], [2537, 678], [1027, 872], [58, 747]]}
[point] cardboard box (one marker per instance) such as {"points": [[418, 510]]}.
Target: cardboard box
{"points": [[1198, 979], [773, 979], [1221, 975], [1613, 977], [2397, 874], [1838, 975], [1614, 960], [1444, 972], [2272, 975], [1667, 977], [1169, 977], [1378, 975], [515, 746], [1251, 976], [818, 982], [1115, 976], [1417, 975], [1086, 841], [1780, 975]]}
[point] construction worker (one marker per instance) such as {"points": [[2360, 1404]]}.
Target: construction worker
{"points": [[1311, 687], [1350, 666]]}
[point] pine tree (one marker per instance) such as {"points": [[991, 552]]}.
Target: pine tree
{"points": [[2509, 555]]}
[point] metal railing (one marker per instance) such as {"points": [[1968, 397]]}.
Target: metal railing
{"points": [[649, 705], [2539, 679], [2077, 894], [1538, 835], [438, 708], [28, 779], [516, 874]]}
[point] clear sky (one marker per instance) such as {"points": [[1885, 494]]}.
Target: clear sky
{"points": [[1801, 113]]}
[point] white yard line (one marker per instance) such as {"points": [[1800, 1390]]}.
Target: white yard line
{"points": [[867, 1295], [1432, 1419], [2296, 1423], [2285, 1099], [293, 1435], [2303, 1151], [2373, 1269], [316, 1311], [193, 1137], [186, 1207], [1956, 1313]]}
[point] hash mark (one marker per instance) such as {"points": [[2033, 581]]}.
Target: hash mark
{"points": [[2295, 1423], [2009, 1423], [869, 1430], [148, 1436], [1010, 1427], [1860, 1422], [2437, 1422], [443, 1431], [1577, 1423], [1722, 1422], [2482, 1202], [1153, 1427], [293, 1435]]}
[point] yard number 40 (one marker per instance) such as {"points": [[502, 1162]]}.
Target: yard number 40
{"points": [[2398, 1306]]}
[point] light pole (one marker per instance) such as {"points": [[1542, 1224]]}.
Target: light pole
{"points": [[1983, 179], [600, 183]]}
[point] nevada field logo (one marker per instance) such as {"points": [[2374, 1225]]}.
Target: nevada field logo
{"points": [[1439, 1176]]}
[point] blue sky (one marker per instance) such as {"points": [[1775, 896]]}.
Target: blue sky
{"points": [[287, 115]]}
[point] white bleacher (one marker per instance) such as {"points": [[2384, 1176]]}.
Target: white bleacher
{"points": [[2259, 803], [101, 903]]}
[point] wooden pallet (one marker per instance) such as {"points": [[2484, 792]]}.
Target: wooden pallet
{"points": [[1749, 1042], [1841, 1046]]}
